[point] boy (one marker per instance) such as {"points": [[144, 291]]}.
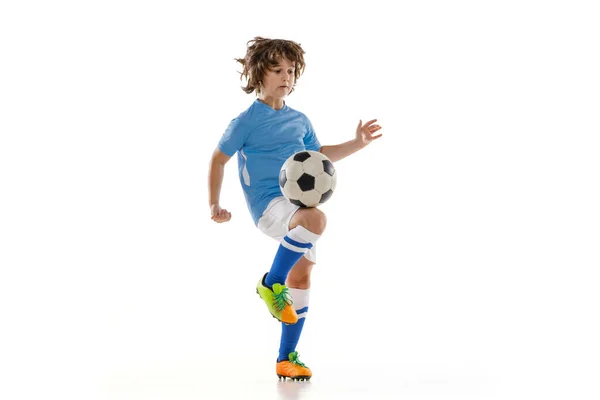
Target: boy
{"points": [[264, 136]]}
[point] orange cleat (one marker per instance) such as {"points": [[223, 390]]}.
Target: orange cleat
{"points": [[293, 369]]}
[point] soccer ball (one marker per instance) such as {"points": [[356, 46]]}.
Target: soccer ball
{"points": [[307, 178]]}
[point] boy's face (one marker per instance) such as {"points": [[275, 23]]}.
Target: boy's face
{"points": [[279, 80]]}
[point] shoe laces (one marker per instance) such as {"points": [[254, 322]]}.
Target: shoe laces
{"points": [[294, 359], [281, 296]]}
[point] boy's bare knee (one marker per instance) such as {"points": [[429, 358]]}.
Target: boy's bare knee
{"points": [[320, 221], [312, 219]]}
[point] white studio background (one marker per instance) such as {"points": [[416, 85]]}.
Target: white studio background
{"points": [[462, 248]]}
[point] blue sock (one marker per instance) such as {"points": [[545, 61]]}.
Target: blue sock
{"points": [[290, 334], [292, 247]]}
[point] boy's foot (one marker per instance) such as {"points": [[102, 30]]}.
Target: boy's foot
{"points": [[279, 301], [293, 369]]}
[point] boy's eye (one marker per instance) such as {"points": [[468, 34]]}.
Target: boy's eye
{"points": [[277, 71]]}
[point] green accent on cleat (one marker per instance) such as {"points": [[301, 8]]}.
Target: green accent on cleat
{"points": [[293, 356], [276, 299], [281, 297]]}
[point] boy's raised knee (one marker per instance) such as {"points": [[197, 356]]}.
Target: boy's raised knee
{"points": [[312, 219]]}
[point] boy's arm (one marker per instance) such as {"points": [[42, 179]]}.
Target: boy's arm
{"points": [[339, 151], [216, 172], [364, 136]]}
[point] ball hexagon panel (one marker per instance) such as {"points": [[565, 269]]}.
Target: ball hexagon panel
{"points": [[292, 190], [293, 170], [310, 198], [323, 183], [312, 167]]}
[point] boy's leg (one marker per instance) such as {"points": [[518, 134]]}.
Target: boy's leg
{"points": [[298, 281], [305, 228]]}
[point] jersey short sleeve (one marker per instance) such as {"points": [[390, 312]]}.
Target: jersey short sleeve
{"points": [[310, 139], [234, 137]]}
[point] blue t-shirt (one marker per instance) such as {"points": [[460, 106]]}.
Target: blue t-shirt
{"points": [[264, 139]]}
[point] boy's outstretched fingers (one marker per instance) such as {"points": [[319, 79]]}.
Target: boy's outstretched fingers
{"points": [[373, 129], [365, 133]]}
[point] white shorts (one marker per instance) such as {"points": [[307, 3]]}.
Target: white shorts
{"points": [[275, 222]]}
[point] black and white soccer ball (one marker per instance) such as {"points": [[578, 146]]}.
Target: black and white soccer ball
{"points": [[307, 178]]}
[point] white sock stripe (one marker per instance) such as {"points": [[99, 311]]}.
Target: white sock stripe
{"points": [[302, 315], [303, 234], [291, 247], [301, 297], [294, 236]]}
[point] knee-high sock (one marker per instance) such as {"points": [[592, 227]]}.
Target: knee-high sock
{"points": [[292, 247], [290, 334]]}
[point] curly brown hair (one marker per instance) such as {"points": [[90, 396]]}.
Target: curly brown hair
{"points": [[263, 54]]}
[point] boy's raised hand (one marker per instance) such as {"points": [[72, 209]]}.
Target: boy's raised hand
{"points": [[219, 214], [365, 133]]}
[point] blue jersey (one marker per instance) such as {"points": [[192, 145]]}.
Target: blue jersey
{"points": [[264, 139]]}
